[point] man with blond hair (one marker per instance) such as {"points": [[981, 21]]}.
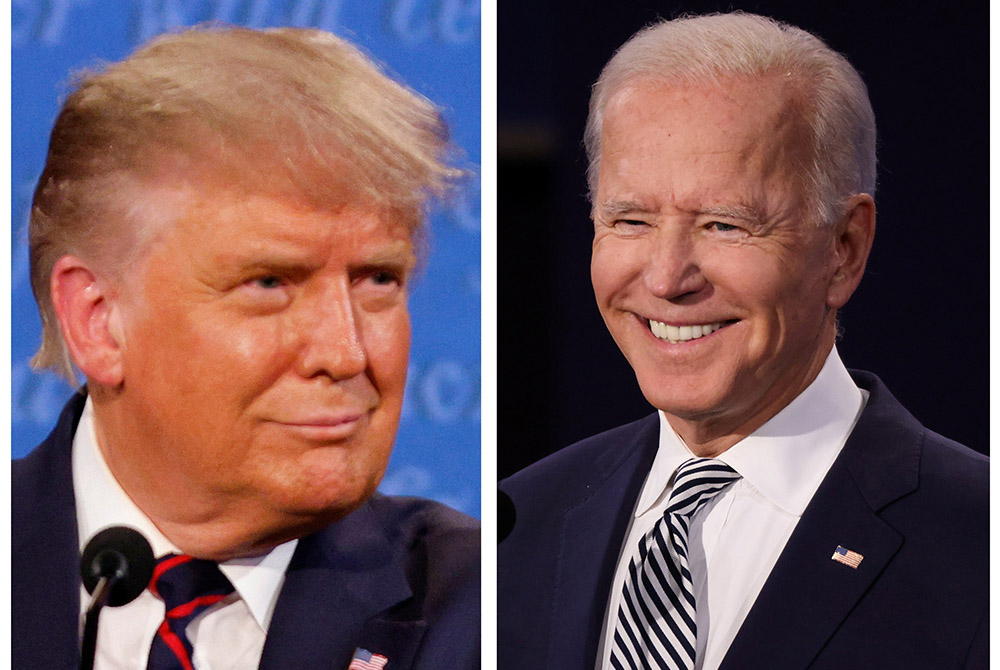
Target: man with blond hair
{"points": [[221, 243], [777, 511]]}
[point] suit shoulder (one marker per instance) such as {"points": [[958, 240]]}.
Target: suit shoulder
{"points": [[442, 565], [890, 445], [956, 472], [443, 541], [42, 487], [577, 461], [49, 464], [31, 470], [424, 518], [27, 477], [963, 457], [947, 507], [25, 474]]}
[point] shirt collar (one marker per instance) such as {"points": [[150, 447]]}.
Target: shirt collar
{"points": [[786, 458], [101, 502]]}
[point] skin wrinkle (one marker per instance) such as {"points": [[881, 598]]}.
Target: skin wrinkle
{"points": [[216, 362], [674, 159], [231, 274]]}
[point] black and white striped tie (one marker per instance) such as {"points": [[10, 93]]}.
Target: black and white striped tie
{"points": [[656, 627]]}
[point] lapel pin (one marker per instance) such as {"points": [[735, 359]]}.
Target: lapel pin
{"points": [[365, 660], [847, 557]]}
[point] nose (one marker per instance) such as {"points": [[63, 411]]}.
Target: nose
{"points": [[673, 270], [331, 340]]}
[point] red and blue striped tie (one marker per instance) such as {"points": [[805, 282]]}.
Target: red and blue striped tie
{"points": [[187, 586]]}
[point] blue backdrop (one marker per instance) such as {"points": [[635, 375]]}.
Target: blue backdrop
{"points": [[433, 45]]}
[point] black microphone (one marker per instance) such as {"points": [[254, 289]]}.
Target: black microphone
{"points": [[506, 516], [116, 567]]}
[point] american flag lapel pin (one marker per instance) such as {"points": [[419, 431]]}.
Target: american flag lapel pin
{"points": [[847, 557], [366, 660]]}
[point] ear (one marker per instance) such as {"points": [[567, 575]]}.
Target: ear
{"points": [[854, 235], [88, 319]]}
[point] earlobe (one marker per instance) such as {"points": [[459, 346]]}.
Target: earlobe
{"points": [[89, 320], [854, 236]]}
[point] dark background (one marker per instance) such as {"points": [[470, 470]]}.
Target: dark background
{"points": [[920, 317]]}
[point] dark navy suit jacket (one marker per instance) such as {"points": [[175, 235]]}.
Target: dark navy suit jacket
{"points": [[399, 577], [913, 503]]}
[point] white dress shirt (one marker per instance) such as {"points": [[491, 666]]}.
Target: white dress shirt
{"points": [[227, 636], [736, 538]]}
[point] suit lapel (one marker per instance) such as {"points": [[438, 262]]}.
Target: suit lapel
{"points": [[808, 594], [338, 588], [338, 583], [589, 545]]}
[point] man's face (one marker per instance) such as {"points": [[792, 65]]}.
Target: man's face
{"points": [[264, 359], [707, 270]]}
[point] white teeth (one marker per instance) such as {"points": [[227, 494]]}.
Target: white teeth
{"points": [[675, 334]]}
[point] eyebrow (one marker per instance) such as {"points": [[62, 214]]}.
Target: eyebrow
{"points": [[616, 208], [395, 253], [739, 212]]}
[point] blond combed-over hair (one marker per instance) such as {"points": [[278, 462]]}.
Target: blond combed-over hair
{"points": [[285, 111], [706, 50]]}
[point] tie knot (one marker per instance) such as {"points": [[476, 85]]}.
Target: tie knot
{"points": [[190, 583], [697, 481]]}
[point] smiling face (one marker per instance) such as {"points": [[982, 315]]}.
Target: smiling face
{"points": [[707, 271], [263, 355]]}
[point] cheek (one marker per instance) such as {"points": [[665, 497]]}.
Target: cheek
{"points": [[387, 342], [608, 269], [225, 348], [758, 281], [785, 301], [154, 353]]}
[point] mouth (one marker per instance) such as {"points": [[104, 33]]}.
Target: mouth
{"points": [[686, 333], [326, 428]]}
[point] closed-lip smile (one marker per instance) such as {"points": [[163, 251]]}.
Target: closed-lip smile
{"points": [[331, 426]]}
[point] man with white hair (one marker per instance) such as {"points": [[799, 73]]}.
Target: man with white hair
{"points": [[222, 242], [777, 511]]}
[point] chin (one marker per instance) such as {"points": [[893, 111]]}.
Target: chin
{"points": [[322, 502], [681, 408], [331, 495], [682, 394]]}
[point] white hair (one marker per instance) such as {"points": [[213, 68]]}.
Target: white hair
{"points": [[695, 50]]}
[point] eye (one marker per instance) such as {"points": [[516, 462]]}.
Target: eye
{"points": [[264, 293], [268, 281], [629, 227], [380, 288], [385, 278], [723, 227]]}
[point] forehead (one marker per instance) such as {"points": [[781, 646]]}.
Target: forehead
{"points": [[738, 131], [725, 112], [224, 224], [209, 166]]}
